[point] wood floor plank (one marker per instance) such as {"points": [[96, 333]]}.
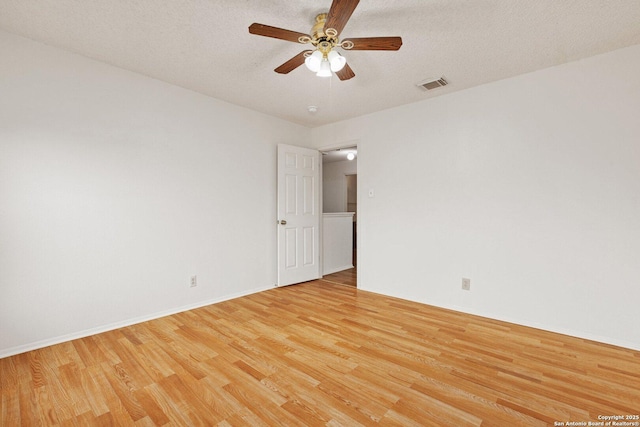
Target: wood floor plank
{"points": [[334, 409], [345, 277], [190, 403], [123, 388], [265, 410], [219, 401], [10, 410], [93, 394], [319, 353], [173, 409]]}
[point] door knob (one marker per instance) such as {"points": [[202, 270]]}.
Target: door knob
{"points": [[283, 222]]}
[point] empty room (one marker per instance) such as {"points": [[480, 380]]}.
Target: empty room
{"points": [[319, 213]]}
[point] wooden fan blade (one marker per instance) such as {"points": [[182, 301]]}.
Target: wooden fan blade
{"points": [[339, 14], [346, 73], [292, 64], [276, 33], [375, 43]]}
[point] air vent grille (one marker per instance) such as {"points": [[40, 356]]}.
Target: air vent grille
{"points": [[431, 84]]}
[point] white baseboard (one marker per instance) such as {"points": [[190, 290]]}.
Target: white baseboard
{"points": [[117, 325]]}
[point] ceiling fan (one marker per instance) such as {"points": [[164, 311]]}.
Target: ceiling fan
{"points": [[324, 59]]}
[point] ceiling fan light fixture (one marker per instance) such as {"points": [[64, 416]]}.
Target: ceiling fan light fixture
{"points": [[324, 38], [336, 60], [313, 61], [325, 69]]}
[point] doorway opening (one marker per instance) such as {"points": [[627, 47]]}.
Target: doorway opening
{"points": [[340, 214]]}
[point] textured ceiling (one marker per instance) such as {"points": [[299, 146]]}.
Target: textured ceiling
{"points": [[204, 45]]}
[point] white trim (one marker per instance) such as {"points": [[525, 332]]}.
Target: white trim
{"points": [[117, 325], [321, 208]]}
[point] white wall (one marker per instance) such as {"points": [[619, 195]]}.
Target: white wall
{"points": [[116, 188], [334, 184], [529, 186]]}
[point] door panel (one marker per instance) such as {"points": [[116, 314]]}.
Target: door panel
{"points": [[309, 248]]}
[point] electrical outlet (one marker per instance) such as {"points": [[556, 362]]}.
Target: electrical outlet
{"points": [[466, 284], [194, 281]]}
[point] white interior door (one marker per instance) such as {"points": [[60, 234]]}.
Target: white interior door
{"points": [[298, 214]]}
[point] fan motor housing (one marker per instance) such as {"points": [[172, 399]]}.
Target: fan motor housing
{"points": [[318, 28]]}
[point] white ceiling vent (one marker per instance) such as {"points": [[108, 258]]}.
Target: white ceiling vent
{"points": [[430, 84]]}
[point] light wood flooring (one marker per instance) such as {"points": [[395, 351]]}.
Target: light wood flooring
{"points": [[321, 354], [344, 277]]}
